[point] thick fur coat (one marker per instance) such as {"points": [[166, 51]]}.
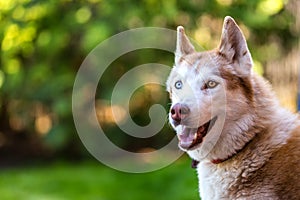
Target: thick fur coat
{"points": [[228, 119]]}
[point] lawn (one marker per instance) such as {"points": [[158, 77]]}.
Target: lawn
{"points": [[93, 181]]}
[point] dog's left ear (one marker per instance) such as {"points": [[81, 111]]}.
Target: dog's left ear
{"points": [[233, 46], [183, 45]]}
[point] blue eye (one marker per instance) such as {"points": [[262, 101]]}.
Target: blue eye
{"points": [[178, 85]]}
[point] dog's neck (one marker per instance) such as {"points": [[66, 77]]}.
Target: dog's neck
{"points": [[218, 161]]}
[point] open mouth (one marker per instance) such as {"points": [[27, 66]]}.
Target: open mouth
{"points": [[190, 138]]}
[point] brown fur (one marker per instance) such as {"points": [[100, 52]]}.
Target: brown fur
{"points": [[235, 82], [275, 178], [284, 164]]}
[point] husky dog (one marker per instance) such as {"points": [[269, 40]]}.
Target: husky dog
{"points": [[229, 122]]}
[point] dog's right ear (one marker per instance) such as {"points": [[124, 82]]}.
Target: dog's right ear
{"points": [[183, 45]]}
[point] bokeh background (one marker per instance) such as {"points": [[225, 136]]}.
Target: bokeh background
{"points": [[43, 44]]}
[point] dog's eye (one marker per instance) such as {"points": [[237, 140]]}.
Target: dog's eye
{"points": [[178, 85], [211, 84]]}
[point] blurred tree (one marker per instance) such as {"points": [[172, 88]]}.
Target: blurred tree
{"points": [[43, 44]]}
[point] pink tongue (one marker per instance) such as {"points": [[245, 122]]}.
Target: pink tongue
{"points": [[186, 137], [190, 136]]}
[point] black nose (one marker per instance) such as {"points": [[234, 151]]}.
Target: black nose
{"points": [[179, 112]]}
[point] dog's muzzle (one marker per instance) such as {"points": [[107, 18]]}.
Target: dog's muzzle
{"points": [[189, 138]]}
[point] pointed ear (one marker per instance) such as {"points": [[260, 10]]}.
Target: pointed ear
{"points": [[183, 45], [233, 47]]}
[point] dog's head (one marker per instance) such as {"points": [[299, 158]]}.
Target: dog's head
{"points": [[207, 87]]}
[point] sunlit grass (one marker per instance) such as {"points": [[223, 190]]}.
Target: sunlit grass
{"points": [[91, 180]]}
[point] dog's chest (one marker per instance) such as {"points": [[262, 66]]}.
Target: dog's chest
{"points": [[214, 182]]}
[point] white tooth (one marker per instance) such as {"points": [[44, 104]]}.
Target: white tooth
{"points": [[195, 136]]}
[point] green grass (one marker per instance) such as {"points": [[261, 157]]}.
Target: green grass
{"points": [[93, 181]]}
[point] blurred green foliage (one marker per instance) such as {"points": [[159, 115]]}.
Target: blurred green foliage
{"points": [[43, 44]]}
